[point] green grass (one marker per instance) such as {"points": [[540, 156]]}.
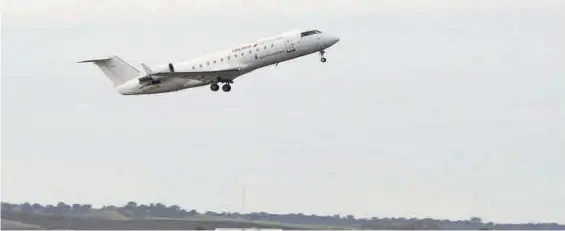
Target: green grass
{"points": [[207, 218], [106, 214], [109, 217]]}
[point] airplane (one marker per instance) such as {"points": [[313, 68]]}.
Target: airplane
{"points": [[218, 67]]}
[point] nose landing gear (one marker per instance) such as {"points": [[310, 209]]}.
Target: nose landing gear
{"points": [[322, 59]]}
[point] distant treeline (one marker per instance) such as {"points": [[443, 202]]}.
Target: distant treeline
{"points": [[133, 210]]}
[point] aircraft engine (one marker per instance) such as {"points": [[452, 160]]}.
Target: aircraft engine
{"points": [[147, 78], [153, 78], [150, 78]]}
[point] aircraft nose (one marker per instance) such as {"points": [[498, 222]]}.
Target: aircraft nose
{"points": [[333, 39]]}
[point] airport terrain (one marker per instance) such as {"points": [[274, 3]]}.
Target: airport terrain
{"points": [[132, 216]]}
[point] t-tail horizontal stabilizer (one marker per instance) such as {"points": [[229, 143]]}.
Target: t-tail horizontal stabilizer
{"points": [[94, 60], [116, 69]]}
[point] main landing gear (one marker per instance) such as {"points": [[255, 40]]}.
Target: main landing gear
{"points": [[322, 59], [226, 87]]}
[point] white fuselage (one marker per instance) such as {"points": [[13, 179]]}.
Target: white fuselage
{"points": [[248, 57]]}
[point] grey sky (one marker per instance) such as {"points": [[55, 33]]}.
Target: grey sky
{"points": [[444, 109]]}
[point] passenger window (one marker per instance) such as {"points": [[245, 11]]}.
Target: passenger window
{"points": [[200, 65], [228, 57], [242, 54], [272, 45], [249, 51], [192, 67], [208, 63], [214, 61], [222, 59], [265, 47]]}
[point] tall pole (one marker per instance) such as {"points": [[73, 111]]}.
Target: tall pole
{"points": [[243, 200]]}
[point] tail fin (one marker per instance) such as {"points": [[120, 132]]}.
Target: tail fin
{"points": [[116, 69]]}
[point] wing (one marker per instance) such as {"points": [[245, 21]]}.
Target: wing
{"points": [[205, 76]]}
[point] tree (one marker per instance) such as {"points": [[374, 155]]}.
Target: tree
{"points": [[476, 220], [26, 207], [192, 212], [174, 207], [7, 206], [131, 204], [37, 207], [62, 207], [76, 208], [108, 207], [50, 209]]}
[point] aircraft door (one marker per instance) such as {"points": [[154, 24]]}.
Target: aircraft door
{"points": [[290, 46]]}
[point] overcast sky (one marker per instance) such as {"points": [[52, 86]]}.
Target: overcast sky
{"points": [[443, 109]]}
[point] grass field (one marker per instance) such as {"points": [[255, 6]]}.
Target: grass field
{"points": [[105, 220]]}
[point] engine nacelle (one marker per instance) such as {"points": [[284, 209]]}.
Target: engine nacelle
{"points": [[150, 78], [146, 78], [153, 78]]}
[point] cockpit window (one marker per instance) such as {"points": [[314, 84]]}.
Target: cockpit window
{"points": [[310, 32]]}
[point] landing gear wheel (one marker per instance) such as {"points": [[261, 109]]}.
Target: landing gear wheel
{"points": [[323, 59], [214, 87], [226, 88]]}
